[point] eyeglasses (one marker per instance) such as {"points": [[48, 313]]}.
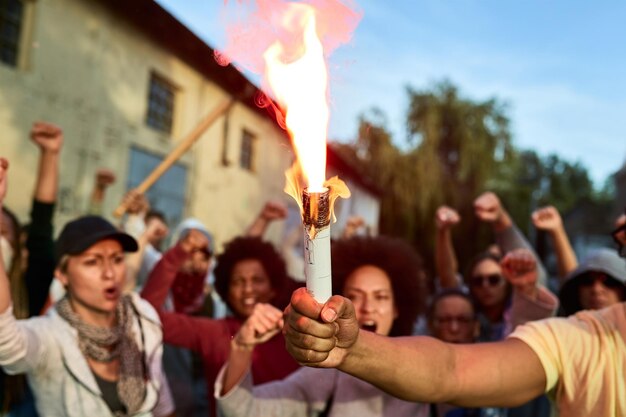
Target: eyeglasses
{"points": [[589, 279], [448, 320], [619, 236], [480, 280]]}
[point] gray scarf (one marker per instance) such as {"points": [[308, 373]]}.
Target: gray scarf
{"points": [[106, 344]]}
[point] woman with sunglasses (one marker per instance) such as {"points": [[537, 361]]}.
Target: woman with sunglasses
{"points": [[503, 305], [500, 306], [97, 352], [598, 282], [383, 278]]}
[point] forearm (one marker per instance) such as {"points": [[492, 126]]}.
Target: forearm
{"points": [[524, 308], [133, 264], [425, 369], [47, 177], [41, 262], [5, 287], [511, 238], [257, 228], [565, 255], [96, 200], [445, 260], [503, 222], [239, 362], [413, 369], [162, 276]]}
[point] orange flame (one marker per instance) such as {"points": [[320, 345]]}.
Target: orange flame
{"points": [[300, 86], [294, 39]]}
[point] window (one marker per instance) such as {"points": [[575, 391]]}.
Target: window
{"points": [[10, 27], [160, 104], [246, 158], [168, 193]]}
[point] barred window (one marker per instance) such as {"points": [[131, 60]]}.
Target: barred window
{"points": [[246, 159], [160, 104], [10, 27], [168, 193]]}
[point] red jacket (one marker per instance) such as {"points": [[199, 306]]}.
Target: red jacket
{"points": [[210, 338]]}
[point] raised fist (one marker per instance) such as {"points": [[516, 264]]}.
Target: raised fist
{"points": [[47, 136], [547, 218], [446, 217], [273, 210], [488, 208], [519, 267], [104, 177]]}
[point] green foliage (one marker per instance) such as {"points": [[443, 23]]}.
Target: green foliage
{"points": [[457, 148]]}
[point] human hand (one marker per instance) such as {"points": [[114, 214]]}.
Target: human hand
{"points": [[4, 167], [264, 322], [547, 218], [273, 210], [135, 202], [194, 241], [319, 335], [446, 218], [488, 208], [519, 267], [47, 136], [352, 225], [104, 178]]}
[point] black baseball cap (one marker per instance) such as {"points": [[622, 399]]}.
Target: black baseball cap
{"points": [[80, 234]]}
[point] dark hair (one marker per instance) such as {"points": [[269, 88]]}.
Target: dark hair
{"points": [[152, 214], [242, 248], [398, 260], [442, 295]]}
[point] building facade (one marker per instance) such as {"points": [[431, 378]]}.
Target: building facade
{"points": [[126, 81]]}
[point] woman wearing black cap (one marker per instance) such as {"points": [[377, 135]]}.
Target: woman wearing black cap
{"points": [[97, 352]]}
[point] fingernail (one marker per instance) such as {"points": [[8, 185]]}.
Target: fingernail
{"points": [[329, 315]]}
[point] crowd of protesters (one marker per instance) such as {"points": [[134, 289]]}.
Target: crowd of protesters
{"points": [[105, 320]]}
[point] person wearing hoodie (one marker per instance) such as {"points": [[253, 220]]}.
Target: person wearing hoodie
{"points": [[599, 281], [249, 271], [186, 295]]}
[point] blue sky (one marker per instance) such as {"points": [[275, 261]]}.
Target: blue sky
{"points": [[560, 66]]}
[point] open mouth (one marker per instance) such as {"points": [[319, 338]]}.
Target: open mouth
{"points": [[370, 327], [110, 293], [249, 302]]}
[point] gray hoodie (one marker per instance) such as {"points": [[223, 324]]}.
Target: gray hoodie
{"points": [[601, 260]]}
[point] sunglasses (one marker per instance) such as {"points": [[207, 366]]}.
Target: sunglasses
{"points": [[491, 280], [619, 236], [588, 280]]}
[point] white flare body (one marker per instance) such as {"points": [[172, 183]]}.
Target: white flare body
{"points": [[317, 269]]}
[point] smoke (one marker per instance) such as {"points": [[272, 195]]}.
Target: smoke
{"points": [[252, 26]]}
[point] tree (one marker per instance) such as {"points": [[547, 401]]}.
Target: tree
{"points": [[454, 146], [457, 148]]}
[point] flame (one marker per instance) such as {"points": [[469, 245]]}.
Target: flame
{"points": [[294, 39], [294, 187], [300, 86]]}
